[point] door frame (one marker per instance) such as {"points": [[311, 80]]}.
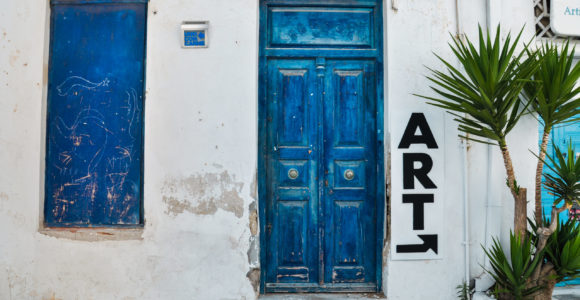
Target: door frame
{"points": [[377, 54]]}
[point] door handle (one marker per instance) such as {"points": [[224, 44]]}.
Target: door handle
{"points": [[293, 173], [349, 174]]}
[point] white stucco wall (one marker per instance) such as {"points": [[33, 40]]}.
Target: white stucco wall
{"points": [[201, 152], [413, 33]]}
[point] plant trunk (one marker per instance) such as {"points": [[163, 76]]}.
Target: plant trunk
{"points": [[509, 169], [506, 296], [539, 171], [519, 194], [543, 235], [549, 283], [521, 213], [543, 274]]}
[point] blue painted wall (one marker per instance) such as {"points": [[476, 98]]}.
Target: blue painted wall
{"points": [[561, 137], [95, 114]]}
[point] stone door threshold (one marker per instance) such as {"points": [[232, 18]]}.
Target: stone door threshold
{"points": [[322, 296]]}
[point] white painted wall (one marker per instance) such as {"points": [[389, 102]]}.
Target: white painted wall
{"points": [[414, 31], [201, 131]]}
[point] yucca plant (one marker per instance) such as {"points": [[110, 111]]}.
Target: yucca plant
{"points": [[552, 236], [562, 259], [485, 97], [563, 250], [554, 97], [512, 274], [565, 183], [464, 291]]}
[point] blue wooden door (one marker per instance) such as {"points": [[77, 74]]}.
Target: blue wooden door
{"points": [[94, 135], [321, 182], [292, 158], [561, 137], [321, 174], [349, 172]]}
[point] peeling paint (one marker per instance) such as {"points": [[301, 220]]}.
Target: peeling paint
{"points": [[254, 186], [203, 194], [254, 222], [254, 277], [254, 250]]}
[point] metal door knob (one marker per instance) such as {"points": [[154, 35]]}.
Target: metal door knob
{"points": [[349, 174], [293, 173]]}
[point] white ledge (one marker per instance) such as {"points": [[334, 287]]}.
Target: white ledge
{"points": [[94, 234]]}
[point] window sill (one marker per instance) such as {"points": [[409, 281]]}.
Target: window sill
{"points": [[94, 234]]}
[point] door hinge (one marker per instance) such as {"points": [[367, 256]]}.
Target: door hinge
{"points": [[269, 228]]}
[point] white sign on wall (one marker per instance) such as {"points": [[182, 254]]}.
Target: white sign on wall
{"points": [[565, 17], [417, 184]]}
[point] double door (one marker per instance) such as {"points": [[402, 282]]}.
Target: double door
{"points": [[321, 175]]}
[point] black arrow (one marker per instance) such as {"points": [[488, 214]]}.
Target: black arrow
{"points": [[429, 242]]}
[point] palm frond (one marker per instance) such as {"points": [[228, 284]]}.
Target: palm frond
{"points": [[512, 274], [556, 100], [484, 92], [565, 183]]}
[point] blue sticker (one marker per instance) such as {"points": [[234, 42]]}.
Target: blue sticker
{"points": [[194, 38]]}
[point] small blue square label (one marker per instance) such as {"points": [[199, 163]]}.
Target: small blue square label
{"points": [[194, 38]]}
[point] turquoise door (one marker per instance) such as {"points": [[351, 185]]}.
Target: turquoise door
{"points": [[561, 136], [320, 164]]}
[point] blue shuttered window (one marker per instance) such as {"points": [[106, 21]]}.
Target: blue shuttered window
{"points": [[94, 136]]}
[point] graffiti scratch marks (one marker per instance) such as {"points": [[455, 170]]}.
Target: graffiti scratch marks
{"points": [[77, 81], [94, 151]]}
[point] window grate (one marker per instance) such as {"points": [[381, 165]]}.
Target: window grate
{"points": [[542, 21]]}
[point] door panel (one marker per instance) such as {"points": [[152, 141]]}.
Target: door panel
{"points": [[321, 230], [315, 27], [292, 212], [347, 88], [350, 171], [292, 106]]}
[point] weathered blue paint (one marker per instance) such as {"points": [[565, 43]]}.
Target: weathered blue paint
{"points": [[560, 137], [95, 114], [321, 182], [330, 27]]}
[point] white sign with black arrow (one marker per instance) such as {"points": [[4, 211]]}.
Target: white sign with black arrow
{"points": [[417, 182]]}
